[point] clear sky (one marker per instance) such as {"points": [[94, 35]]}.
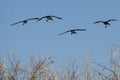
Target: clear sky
{"points": [[41, 38]]}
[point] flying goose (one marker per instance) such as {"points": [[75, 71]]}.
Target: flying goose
{"points": [[106, 23], [24, 21], [73, 31], [48, 17]]}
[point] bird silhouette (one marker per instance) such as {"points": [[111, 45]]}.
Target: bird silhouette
{"points": [[106, 23], [73, 31], [48, 17], [24, 21]]}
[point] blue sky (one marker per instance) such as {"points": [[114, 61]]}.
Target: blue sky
{"points": [[41, 38]]}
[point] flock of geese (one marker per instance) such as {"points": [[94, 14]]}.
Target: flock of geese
{"points": [[73, 31]]}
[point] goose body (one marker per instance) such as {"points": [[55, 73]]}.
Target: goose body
{"points": [[24, 21], [106, 23], [73, 31], [49, 17]]}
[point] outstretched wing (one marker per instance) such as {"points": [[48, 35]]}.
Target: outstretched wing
{"points": [[80, 29], [57, 17], [98, 22], [64, 32], [112, 20], [16, 23], [33, 19], [41, 18]]}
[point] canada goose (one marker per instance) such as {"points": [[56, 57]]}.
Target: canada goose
{"points": [[73, 31], [106, 23], [49, 17], [24, 21]]}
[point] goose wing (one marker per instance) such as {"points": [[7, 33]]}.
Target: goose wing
{"points": [[112, 20], [98, 22], [41, 18], [64, 32], [33, 19], [16, 23], [80, 29], [57, 17]]}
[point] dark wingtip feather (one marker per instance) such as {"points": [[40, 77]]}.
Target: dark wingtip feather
{"points": [[113, 19]]}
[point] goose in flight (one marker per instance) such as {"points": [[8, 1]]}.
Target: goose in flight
{"points": [[73, 31], [49, 17], [24, 21], [106, 23]]}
